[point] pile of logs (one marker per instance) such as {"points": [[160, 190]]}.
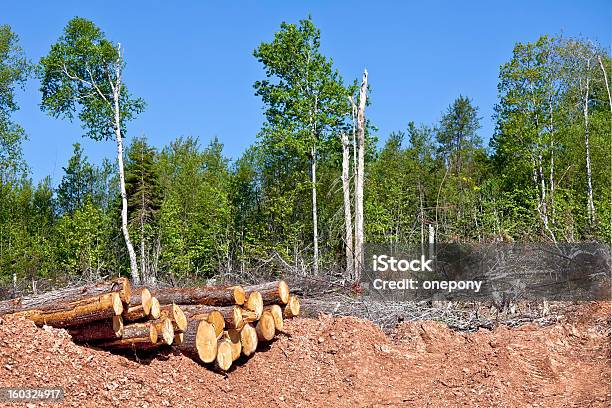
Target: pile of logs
{"points": [[212, 324]]}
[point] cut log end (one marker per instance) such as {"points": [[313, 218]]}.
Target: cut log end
{"points": [[166, 330], [283, 292], [176, 315], [292, 309], [255, 303], [216, 319], [277, 314], [155, 308], [233, 336], [237, 320], [145, 301], [265, 327], [239, 295], [117, 303], [248, 339], [206, 342], [224, 354]]}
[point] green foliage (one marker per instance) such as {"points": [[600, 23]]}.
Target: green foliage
{"points": [[193, 213], [14, 70], [75, 80], [77, 183]]}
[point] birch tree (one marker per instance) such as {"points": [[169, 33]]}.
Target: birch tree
{"points": [[305, 102], [82, 76]]}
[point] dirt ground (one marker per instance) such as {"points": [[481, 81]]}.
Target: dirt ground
{"points": [[336, 362]]}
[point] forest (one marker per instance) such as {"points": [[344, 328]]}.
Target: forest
{"points": [[289, 202]]}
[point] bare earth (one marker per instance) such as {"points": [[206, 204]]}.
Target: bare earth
{"points": [[336, 362]]}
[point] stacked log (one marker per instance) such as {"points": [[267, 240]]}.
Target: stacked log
{"points": [[212, 324]]}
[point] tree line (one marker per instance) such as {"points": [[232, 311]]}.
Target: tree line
{"points": [[315, 186]]}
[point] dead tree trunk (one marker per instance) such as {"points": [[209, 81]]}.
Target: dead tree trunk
{"points": [[359, 238], [348, 218], [605, 75]]}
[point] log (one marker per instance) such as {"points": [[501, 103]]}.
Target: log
{"points": [[176, 316], [255, 303], [100, 330], [216, 319], [165, 330], [51, 300], [277, 313], [135, 336], [155, 308], [231, 314], [248, 339], [224, 354], [265, 327], [271, 292], [207, 295], [292, 309], [233, 336], [248, 316], [199, 341], [178, 338], [76, 313], [140, 305]]}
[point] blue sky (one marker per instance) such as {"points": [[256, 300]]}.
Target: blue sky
{"points": [[192, 61]]}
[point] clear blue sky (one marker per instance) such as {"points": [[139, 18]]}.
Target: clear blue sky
{"points": [[192, 61]]}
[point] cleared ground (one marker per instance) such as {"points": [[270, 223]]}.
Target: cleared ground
{"points": [[339, 362]]}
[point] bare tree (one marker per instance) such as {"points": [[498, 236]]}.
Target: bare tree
{"points": [[605, 76], [361, 123]]}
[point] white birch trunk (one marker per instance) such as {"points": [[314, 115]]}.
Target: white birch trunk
{"points": [[124, 206], [585, 111], [315, 226]]}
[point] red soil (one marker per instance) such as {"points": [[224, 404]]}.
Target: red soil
{"points": [[336, 362]]}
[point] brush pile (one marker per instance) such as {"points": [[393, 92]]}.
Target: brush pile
{"points": [[211, 324]]}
